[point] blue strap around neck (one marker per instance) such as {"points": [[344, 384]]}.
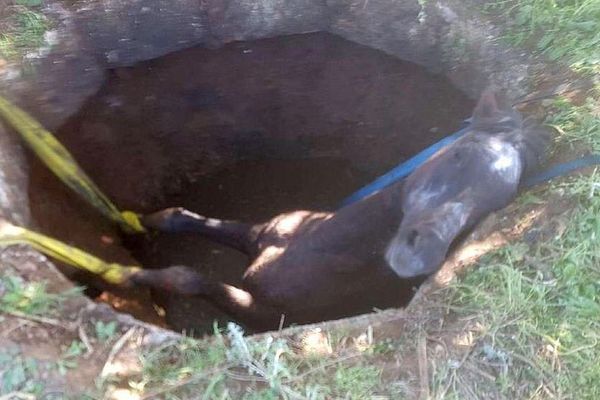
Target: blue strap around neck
{"points": [[404, 169]]}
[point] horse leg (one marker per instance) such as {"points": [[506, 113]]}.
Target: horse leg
{"points": [[237, 303], [234, 234]]}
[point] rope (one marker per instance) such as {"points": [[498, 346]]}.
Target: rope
{"points": [[110, 272], [58, 159]]}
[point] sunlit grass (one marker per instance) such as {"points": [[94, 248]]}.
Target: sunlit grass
{"points": [[534, 309], [538, 305], [563, 30], [23, 30]]}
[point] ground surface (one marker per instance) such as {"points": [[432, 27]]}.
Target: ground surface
{"points": [[523, 324]]}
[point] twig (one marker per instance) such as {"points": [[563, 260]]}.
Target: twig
{"points": [[466, 388], [581, 348], [41, 320], [281, 322], [17, 395], [481, 372], [85, 340], [116, 349], [440, 342], [326, 365], [246, 378], [183, 382], [423, 373], [10, 330], [536, 368]]}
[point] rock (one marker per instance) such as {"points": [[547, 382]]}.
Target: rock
{"points": [[247, 19], [123, 32]]}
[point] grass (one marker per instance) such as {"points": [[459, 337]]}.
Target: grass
{"points": [[23, 377], [22, 29], [577, 124], [530, 313], [231, 366], [535, 312], [563, 30]]}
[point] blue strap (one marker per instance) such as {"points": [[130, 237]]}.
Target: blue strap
{"points": [[560, 169], [402, 170]]}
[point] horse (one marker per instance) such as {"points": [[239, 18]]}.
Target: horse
{"points": [[309, 266]]}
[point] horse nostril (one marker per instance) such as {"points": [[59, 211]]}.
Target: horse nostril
{"points": [[412, 237]]}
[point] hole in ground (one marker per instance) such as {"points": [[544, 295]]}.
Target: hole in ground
{"points": [[243, 132]]}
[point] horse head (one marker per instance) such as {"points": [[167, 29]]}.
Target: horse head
{"points": [[462, 183]]}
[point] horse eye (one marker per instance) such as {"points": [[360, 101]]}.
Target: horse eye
{"points": [[412, 237]]}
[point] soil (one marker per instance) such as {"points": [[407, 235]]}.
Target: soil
{"points": [[243, 132], [45, 339]]}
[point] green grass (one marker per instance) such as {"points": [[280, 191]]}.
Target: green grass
{"points": [[23, 30], [23, 377], [577, 124], [188, 360], [539, 307], [563, 30], [356, 382]]}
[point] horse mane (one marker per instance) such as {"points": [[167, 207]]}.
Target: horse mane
{"points": [[495, 115], [532, 141]]}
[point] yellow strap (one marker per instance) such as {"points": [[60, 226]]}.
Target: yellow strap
{"points": [[110, 272], [59, 160]]}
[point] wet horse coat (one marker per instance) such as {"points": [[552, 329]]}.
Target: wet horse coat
{"points": [[312, 266]]}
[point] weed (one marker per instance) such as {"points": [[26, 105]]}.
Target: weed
{"points": [[19, 374], [265, 359], [30, 298], [105, 331], [68, 359]]}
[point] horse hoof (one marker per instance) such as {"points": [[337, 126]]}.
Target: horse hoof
{"points": [[162, 220]]}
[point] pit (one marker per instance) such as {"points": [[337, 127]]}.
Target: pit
{"points": [[239, 112], [245, 132]]}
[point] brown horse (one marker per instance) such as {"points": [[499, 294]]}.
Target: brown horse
{"points": [[312, 266]]}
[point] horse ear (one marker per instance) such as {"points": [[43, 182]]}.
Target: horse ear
{"points": [[491, 103]]}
